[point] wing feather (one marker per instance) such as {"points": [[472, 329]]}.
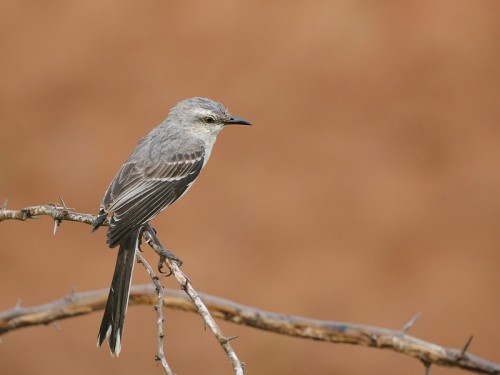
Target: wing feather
{"points": [[139, 192]]}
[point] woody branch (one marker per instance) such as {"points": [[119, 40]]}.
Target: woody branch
{"points": [[330, 331]]}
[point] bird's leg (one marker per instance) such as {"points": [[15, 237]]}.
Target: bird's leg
{"points": [[165, 253], [139, 242]]}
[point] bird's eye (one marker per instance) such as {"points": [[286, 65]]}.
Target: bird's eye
{"points": [[209, 120]]}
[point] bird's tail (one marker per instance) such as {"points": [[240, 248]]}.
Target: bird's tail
{"points": [[116, 307]]}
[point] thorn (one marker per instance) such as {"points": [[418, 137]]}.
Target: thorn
{"points": [[427, 366], [71, 295], [18, 304], [64, 205], [4, 204], [411, 322], [227, 339], [466, 346], [56, 225], [56, 326]]}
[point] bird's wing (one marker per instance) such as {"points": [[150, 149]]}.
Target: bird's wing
{"points": [[141, 190]]}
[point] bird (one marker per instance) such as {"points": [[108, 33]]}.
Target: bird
{"points": [[161, 169]]}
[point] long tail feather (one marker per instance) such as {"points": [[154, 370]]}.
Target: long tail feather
{"points": [[116, 307]]}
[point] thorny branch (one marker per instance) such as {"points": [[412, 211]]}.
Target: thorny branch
{"points": [[62, 212], [182, 279], [77, 304], [57, 212], [82, 303]]}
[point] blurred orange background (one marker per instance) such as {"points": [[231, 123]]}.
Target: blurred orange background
{"points": [[366, 191]]}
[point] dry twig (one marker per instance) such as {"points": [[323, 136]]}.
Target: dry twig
{"points": [[160, 356]]}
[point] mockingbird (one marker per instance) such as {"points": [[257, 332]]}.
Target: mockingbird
{"points": [[160, 170]]}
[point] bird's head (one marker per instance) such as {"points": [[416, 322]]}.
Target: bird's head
{"points": [[203, 116]]}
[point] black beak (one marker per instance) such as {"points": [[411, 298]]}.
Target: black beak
{"points": [[235, 120]]}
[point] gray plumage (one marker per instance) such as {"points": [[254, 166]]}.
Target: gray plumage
{"points": [[161, 168]]}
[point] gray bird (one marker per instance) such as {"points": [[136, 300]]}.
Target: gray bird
{"points": [[160, 170]]}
